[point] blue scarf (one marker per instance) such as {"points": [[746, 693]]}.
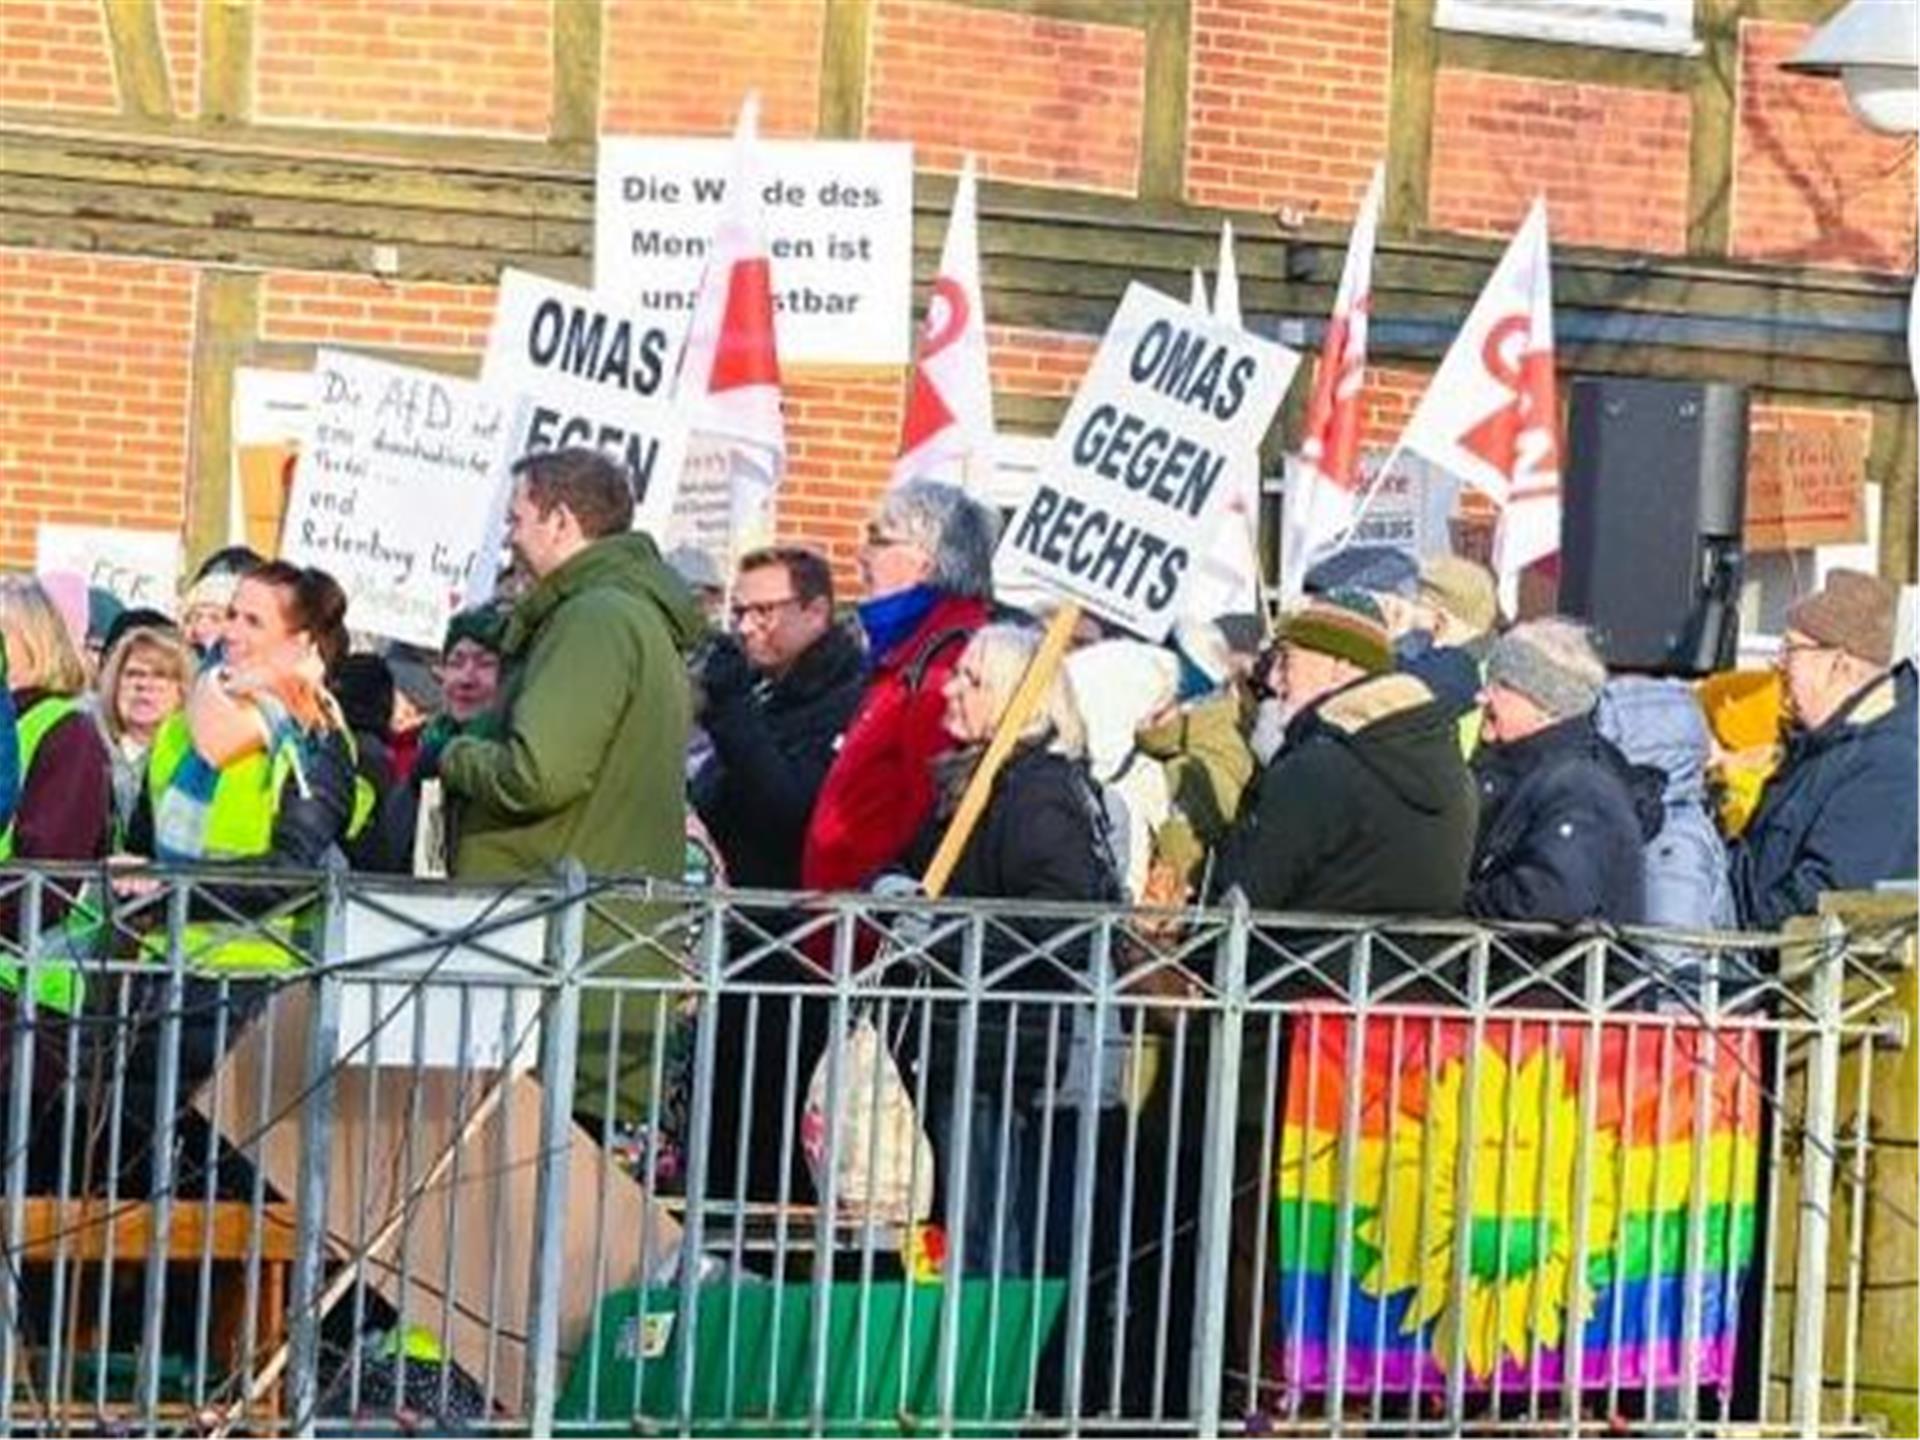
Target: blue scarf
{"points": [[891, 619]]}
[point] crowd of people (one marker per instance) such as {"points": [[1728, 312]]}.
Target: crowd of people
{"points": [[1388, 748]]}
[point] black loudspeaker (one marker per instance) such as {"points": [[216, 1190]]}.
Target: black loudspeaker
{"points": [[1654, 501]]}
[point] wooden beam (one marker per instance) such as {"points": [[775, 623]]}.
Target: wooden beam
{"points": [[578, 44], [226, 61], [1132, 13], [226, 324], [1894, 462], [1410, 118], [1551, 60], [1163, 117], [1714, 96], [845, 42], [139, 58]]}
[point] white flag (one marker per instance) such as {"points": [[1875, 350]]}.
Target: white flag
{"points": [[947, 431], [1490, 416], [1226, 283], [1323, 489]]}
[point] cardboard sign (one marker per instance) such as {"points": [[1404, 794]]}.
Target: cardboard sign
{"points": [[839, 224], [590, 373], [138, 567], [1137, 477], [1806, 478], [394, 496], [272, 414], [1410, 508]]}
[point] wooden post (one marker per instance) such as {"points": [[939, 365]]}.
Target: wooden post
{"points": [[973, 804]]}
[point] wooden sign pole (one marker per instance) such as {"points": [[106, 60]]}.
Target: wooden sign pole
{"points": [[973, 804]]}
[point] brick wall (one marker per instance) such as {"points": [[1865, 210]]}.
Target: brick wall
{"points": [[481, 66], [1611, 161], [843, 430], [1037, 362], [352, 310], [669, 67], [53, 53], [1391, 393], [1288, 103], [1812, 186], [1054, 102], [96, 363]]}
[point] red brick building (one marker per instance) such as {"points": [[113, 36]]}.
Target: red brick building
{"points": [[192, 185]]}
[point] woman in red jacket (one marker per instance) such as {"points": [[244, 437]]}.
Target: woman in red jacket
{"points": [[928, 567]]}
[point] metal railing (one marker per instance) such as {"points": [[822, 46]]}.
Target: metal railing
{"points": [[603, 1157]]}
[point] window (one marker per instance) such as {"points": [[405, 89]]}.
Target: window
{"points": [[1662, 25]]}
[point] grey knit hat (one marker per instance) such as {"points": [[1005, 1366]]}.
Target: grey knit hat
{"points": [[1551, 662]]}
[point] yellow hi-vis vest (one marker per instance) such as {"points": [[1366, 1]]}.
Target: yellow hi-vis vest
{"points": [[238, 827], [55, 986]]}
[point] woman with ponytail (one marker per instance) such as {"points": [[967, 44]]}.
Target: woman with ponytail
{"points": [[258, 768]]}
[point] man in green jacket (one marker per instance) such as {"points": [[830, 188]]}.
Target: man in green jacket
{"points": [[583, 756]]}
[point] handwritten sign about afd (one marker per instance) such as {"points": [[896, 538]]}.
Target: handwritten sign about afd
{"points": [[584, 370], [392, 496], [839, 225], [1140, 473], [137, 567]]}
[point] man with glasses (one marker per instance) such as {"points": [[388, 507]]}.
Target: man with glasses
{"points": [[1839, 814], [777, 691]]}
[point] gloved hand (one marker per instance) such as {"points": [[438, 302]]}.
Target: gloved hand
{"points": [[726, 678]]}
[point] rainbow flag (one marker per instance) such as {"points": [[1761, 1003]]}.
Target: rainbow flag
{"points": [[1502, 1127]]}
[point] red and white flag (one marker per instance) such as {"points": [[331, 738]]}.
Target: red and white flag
{"points": [[1490, 417], [1324, 491], [729, 380], [947, 432]]}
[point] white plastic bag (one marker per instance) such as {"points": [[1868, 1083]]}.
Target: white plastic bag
{"points": [[883, 1173]]}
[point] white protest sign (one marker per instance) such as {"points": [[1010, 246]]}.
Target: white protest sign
{"points": [[394, 494], [137, 567], [1139, 473], [1410, 505], [591, 373], [839, 217]]}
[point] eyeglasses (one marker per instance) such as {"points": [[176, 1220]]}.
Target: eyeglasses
{"points": [[878, 539], [1799, 647], [761, 612], [134, 676]]}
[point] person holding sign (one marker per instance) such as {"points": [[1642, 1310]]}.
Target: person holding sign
{"points": [[1042, 836], [927, 563], [582, 757]]}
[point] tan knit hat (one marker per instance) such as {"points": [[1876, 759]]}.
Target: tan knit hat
{"points": [[1345, 624], [1462, 588], [1854, 612]]}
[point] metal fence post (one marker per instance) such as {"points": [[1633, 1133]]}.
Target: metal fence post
{"points": [[1816, 1177], [559, 1054], [1216, 1179], [316, 1153], [166, 1098], [19, 1124]]}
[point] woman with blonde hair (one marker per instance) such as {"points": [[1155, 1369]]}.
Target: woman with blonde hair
{"points": [[1043, 836], [142, 683], [65, 788]]}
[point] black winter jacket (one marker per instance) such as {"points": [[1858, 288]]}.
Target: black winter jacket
{"points": [[773, 742], [1366, 810], [1563, 824], [1839, 814]]}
